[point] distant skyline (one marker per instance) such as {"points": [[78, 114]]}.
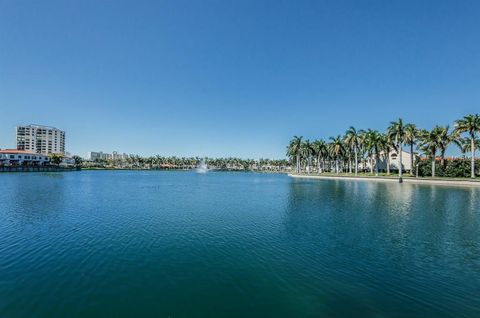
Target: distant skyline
{"points": [[232, 78]]}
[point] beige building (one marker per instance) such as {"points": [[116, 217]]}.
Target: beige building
{"points": [[41, 139], [394, 160]]}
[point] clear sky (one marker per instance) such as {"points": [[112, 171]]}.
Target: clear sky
{"points": [[232, 78]]}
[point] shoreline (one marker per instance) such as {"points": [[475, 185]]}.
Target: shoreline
{"points": [[411, 180], [180, 169]]}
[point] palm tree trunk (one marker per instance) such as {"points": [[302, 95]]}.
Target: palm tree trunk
{"points": [[472, 146], [336, 165], [356, 161], [388, 162], [401, 161], [411, 159], [433, 166], [298, 163]]}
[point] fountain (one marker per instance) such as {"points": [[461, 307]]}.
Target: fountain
{"points": [[202, 167]]}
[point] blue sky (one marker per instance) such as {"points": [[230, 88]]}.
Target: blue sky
{"points": [[232, 78]]}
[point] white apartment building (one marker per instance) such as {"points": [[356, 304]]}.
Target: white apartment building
{"points": [[99, 155], [40, 139], [21, 157]]}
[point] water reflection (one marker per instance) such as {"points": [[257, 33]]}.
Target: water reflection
{"points": [[367, 233], [397, 216]]}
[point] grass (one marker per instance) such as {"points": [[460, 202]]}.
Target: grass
{"points": [[385, 175]]}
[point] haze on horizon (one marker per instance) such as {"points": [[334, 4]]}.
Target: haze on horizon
{"points": [[232, 78]]}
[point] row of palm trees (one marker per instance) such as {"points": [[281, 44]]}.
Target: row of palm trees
{"points": [[173, 162], [367, 147]]}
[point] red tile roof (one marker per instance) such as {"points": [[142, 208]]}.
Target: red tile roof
{"points": [[16, 151]]}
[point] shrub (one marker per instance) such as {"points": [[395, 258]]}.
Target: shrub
{"points": [[457, 168]]}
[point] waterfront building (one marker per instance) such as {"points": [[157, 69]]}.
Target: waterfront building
{"points": [[99, 155], [40, 139], [394, 160], [21, 157]]}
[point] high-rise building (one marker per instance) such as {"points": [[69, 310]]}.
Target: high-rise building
{"points": [[41, 139]]}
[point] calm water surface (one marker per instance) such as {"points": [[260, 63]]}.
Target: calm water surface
{"points": [[181, 244]]}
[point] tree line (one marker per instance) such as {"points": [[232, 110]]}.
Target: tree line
{"points": [[173, 162], [361, 148]]}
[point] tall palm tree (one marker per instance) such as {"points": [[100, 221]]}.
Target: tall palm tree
{"points": [[320, 148], [372, 145], [469, 124], [336, 150], [464, 145], [429, 143], [362, 147], [353, 141], [293, 150], [306, 151], [445, 138], [385, 146], [396, 131], [411, 136]]}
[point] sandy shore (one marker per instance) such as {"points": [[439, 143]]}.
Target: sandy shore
{"points": [[445, 182]]}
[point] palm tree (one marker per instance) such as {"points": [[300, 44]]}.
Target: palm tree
{"points": [[411, 136], [464, 145], [471, 125], [353, 140], [306, 151], [429, 142], [336, 149], [385, 145], [372, 145], [396, 131], [445, 138], [319, 149], [362, 147], [293, 150]]}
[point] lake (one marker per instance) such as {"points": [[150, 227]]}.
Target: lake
{"points": [[182, 244]]}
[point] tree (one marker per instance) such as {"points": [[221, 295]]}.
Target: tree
{"points": [[55, 159], [429, 143], [78, 160], [445, 138], [411, 136], [306, 151], [385, 145], [469, 124], [372, 144], [464, 144], [352, 140], [320, 150], [293, 150], [396, 131], [336, 150]]}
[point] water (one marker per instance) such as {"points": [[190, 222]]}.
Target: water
{"points": [[182, 244]]}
